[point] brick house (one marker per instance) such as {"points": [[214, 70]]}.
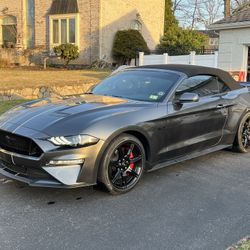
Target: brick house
{"points": [[90, 24]]}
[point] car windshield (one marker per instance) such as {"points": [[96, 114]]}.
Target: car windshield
{"points": [[142, 85]]}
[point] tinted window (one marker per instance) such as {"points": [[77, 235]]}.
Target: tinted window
{"points": [[141, 85], [222, 87], [203, 85]]}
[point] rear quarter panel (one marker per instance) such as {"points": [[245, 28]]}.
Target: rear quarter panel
{"points": [[239, 105]]}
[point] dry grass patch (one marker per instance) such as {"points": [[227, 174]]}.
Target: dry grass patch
{"points": [[26, 77]]}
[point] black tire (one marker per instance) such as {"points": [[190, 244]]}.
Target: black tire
{"points": [[122, 164], [242, 139]]}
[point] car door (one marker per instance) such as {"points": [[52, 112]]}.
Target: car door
{"points": [[194, 126]]}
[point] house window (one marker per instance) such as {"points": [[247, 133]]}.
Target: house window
{"points": [[64, 22], [64, 30], [55, 31], [9, 31]]}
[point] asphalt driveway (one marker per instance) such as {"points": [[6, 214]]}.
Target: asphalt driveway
{"points": [[199, 204]]}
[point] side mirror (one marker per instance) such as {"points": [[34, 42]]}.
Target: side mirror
{"points": [[189, 97]]}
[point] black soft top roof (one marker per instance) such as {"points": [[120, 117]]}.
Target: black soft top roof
{"points": [[193, 70]]}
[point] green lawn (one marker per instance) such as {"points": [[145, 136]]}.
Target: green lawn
{"points": [[242, 245], [6, 105]]}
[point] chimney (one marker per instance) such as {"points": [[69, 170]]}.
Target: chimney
{"points": [[227, 8]]}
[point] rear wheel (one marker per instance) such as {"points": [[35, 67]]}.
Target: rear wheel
{"points": [[242, 140], [123, 164]]}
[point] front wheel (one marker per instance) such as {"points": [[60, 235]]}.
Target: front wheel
{"points": [[123, 164], [242, 140]]}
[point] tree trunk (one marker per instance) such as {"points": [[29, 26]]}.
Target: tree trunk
{"points": [[194, 14], [227, 8]]}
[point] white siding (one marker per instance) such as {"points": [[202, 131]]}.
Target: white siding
{"points": [[233, 49]]}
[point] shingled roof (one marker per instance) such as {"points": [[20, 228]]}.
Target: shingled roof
{"points": [[210, 33], [239, 16]]}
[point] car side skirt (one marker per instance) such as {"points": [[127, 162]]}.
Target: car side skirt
{"points": [[187, 157]]}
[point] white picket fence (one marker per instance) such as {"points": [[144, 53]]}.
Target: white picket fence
{"points": [[192, 59]]}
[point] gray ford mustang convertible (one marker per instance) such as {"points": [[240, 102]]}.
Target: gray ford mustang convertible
{"points": [[137, 120]]}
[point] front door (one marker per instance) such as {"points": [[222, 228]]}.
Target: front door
{"points": [[195, 126]]}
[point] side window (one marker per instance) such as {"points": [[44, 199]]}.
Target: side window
{"points": [[223, 88], [203, 85]]}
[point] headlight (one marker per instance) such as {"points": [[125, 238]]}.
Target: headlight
{"points": [[74, 141]]}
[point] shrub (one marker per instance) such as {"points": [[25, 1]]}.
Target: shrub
{"points": [[67, 52], [127, 44], [178, 41]]}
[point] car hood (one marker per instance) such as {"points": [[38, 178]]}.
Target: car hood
{"points": [[50, 115]]}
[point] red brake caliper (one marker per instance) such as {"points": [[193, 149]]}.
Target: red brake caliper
{"points": [[132, 165]]}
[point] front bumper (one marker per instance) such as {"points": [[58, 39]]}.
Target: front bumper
{"points": [[36, 182], [38, 172]]}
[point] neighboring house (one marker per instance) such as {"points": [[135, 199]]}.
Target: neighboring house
{"points": [[90, 24], [234, 44], [213, 41]]}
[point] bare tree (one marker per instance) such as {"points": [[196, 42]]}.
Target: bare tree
{"points": [[209, 11], [196, 7], [237, 4], [186, 11], [177, 5], [199, 13]]}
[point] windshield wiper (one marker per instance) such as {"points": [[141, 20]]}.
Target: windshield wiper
{"points": [[118, 96]]}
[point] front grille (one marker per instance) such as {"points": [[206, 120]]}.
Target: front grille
{"points": [[19, 144]]}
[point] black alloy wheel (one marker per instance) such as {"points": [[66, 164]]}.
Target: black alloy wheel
{"points": [[123, 164], [242, 140]]}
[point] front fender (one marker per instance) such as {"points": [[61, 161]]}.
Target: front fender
{"points": [[108, 141]]}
